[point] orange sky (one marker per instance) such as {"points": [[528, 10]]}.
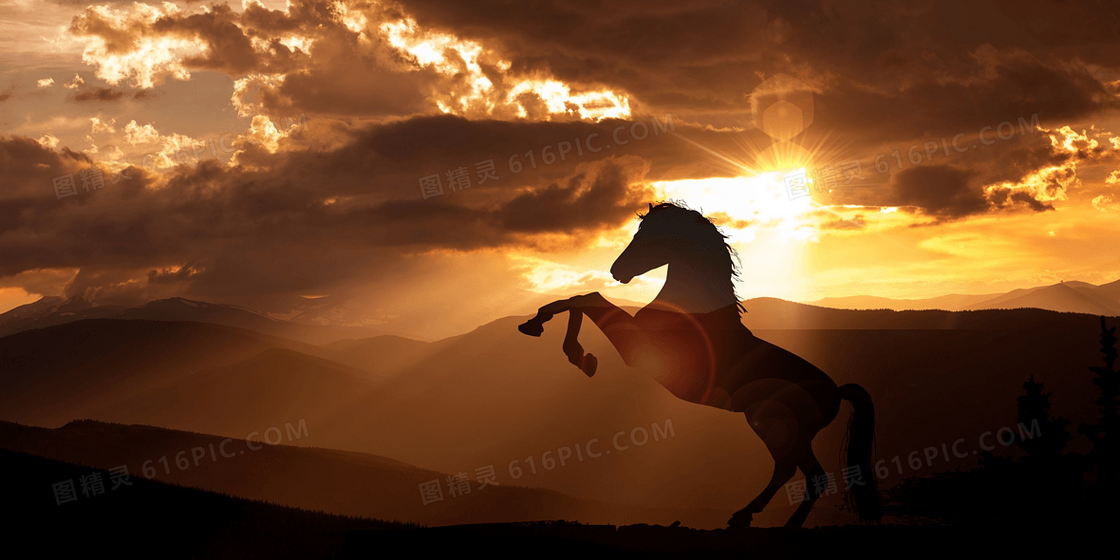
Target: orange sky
{"points": [[282, 149]]}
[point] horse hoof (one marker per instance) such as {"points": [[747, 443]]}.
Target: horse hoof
{"points": [[531, 328], [590, 364]]}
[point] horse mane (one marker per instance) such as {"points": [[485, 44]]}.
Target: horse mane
{"points": [[731, 257]]}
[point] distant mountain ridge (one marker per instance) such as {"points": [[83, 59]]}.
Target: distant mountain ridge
{"points": [[52, 310], [1066, 297], [323, 321]]}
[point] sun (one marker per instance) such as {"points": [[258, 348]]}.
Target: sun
{"points": [[740, 205]]}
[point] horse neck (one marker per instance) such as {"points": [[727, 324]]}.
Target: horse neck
{"points": [[696, 284]]}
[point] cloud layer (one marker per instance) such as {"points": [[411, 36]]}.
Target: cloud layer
{"points": [[542, 127]]}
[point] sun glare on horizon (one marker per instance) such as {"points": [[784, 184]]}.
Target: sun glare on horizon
{"points": [[740, 205]]}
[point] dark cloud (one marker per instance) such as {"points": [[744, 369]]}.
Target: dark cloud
{"points": [[1004, 198], [668, 54], [228, 48], [600, 194], [1012, 155], [938, 190], [42, 281], [123, 3], [1018, 88], [882, 72], [220, 230], [349, 75], [1012, 160], [254, 227], [342, 86], [28, 169], [387, 160], [100, 94], [855, 223]]}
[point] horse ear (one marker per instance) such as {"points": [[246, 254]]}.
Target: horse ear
{"points": [[650, 207]]}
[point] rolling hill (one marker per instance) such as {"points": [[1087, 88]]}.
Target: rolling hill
{"points": [[150, 518], [496, 397], [310, 478]]}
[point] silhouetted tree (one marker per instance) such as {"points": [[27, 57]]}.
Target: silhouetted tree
{"points": [[1046, 486], [1057, 481], [1106, 432], [1034, 408]]}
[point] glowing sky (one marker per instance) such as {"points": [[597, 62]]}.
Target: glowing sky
{"points": [[284, 147]]}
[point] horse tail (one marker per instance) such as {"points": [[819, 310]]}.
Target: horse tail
{"points": [[858, 441]]}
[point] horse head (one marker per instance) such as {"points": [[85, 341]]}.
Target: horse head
{"points": [[667, 233]]}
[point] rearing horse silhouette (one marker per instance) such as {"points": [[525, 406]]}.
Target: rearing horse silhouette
{"points": [[692, 340]]}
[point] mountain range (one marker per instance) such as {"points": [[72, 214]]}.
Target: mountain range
{"points": [[55, 310], [327, 319], [493, 397], [1069, 297]]}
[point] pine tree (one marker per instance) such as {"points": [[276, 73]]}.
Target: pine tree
{"points": [[1105, 434], [1034, 409]]}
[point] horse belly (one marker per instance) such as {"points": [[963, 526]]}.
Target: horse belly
{"points": [[765, 373], [681, 362], [727, 367]]}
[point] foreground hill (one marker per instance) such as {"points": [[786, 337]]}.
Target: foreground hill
{"points": [[339, 482], [149, 518], [563, 539], [152, 519]]}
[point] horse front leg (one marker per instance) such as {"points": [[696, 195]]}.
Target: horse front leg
{"points": [[619, 326], [535, 326], [572, 348]]}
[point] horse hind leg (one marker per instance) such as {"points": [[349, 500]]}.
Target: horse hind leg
{"points": [[784, 469], [813, 472], [779, 431]]}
